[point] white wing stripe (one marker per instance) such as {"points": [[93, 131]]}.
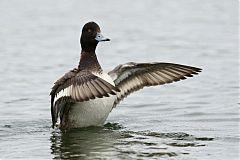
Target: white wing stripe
{"points": [[63, 93]]}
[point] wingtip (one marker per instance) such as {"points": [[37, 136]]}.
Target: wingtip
{"points": [[198, 70]]}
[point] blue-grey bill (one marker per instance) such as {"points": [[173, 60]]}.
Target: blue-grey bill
{"points": [[99, 37]]}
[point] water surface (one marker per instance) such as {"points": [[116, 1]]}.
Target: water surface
{"points": [[192, 119]]}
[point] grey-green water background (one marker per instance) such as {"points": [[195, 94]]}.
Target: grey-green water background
{"points": [[192, 119]]}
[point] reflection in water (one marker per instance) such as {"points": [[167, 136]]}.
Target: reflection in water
{"points": [[82, 142], [113, 140], [86, 142]]}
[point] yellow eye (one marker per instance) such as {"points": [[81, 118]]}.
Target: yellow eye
{"points": [[89, 30]]}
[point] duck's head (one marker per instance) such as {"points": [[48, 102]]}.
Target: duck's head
{"points": [[91, 35]]}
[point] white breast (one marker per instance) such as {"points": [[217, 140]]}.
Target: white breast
{"points": [[90, 113]]}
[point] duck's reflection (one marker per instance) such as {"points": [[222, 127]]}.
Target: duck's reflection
{"points": [[108, 142], [80, 143]]}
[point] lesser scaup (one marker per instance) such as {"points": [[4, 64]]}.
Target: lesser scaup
{"points": [[86, 95]]}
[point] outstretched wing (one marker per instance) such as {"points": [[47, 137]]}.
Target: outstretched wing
{"points": [[77, 86], [132, 76]]}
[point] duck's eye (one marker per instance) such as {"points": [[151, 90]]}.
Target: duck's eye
{"points": [[89, 30]]}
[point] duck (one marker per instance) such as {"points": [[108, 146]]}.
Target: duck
{"points": [[86, 95]]}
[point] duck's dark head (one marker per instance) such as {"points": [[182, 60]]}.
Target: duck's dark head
{"points": [[91, 35]]}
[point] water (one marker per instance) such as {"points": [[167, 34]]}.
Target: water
{"points": [[193, 119]]}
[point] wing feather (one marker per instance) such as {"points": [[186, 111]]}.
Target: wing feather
{"points": [[131, 76], [94, 90]]}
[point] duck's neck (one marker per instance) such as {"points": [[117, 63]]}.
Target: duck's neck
{"points": [[89, 61]]}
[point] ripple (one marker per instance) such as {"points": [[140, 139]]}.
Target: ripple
{"points": [[113, 126], [7, 126], [177, 144], [157, 154], [137, 143], [17, 100]]}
